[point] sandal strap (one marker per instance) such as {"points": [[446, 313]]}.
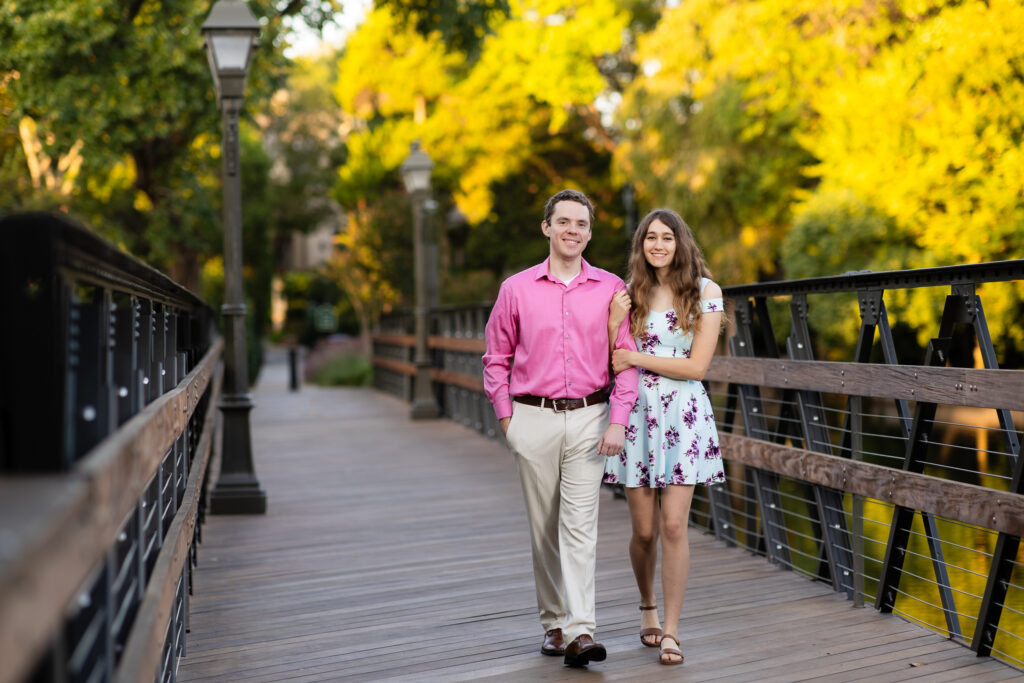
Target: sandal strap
{"points": [[670, 650], [647, 607]]}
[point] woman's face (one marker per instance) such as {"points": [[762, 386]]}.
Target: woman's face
{"points": [[659, 245]]}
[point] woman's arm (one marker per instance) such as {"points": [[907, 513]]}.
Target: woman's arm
{"points": [[703, 349], [618, 309]]}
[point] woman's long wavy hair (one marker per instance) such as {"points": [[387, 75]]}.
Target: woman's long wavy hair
{"points": [[687, 269]]}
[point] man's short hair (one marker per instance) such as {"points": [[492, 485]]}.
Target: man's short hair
{"points": [[568, 196]]}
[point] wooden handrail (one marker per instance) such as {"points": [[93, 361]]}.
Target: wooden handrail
{"points": [[996, 510], [980, 388], [57, 528], [141, 656]]}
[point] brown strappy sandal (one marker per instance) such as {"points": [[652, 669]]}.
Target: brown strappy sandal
{"points": [[648, 632], [670, 651]]}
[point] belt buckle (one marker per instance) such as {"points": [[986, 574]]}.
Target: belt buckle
{"points": [[554, 405]]}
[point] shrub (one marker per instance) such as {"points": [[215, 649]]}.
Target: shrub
{"points": [[348, 370]]}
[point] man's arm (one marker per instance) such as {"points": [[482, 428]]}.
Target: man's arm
{"points": [[501, 335], [626, 382], [623, 394]]}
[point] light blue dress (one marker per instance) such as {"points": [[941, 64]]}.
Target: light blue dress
{"points": [[671, 437]]}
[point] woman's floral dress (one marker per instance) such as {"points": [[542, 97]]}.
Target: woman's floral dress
{"points": [[671, 436]]}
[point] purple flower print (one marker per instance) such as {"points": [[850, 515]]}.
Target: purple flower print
{"points": [[686, 353], [645, 479], [611, 478], [666, 401], [713, 451], [650, 458], [631, 433], [711, 306], [672, 319], [671, 436], [659, 481], [648, 379], [635, 410], [652, 424], [622, 458], [690, 414], [677, 474], [650, 343], [693, 451]]}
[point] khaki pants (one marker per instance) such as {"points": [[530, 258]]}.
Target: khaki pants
{"points": [[561, 472]]}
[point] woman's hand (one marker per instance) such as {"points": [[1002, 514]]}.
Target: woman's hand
{"points": [[618, 309], [622, 360]]}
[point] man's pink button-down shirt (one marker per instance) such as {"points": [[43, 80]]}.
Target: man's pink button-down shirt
{"points": [[554, 339]]}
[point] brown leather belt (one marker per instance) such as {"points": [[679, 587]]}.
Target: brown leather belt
{"points": [[562, 404]]}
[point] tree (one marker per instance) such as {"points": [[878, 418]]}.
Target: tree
{"points": [[516, 115], [929, 135], [126, 86]]}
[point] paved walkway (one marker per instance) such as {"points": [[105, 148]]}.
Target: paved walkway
{"points": [[398, 550]]}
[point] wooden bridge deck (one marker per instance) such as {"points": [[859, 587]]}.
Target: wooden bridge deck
{"points": [[399, 550]]}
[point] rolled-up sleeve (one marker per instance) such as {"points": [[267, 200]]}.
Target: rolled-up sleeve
{"points": [[627, 382], [501, 336]]}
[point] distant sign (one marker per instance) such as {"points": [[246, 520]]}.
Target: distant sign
{"points": [[324, 318]]}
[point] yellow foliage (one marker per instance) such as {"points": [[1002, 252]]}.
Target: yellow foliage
{"points": [[536, 67], [142, 202]]}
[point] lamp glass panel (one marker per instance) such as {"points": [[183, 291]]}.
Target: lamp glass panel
{"points": [[231, 52], [417, 179]]}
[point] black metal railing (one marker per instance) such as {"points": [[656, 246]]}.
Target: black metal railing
{"points": [[899, 484], [109, 383]]}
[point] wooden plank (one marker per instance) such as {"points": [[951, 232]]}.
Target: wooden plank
{"points": [[401, 366], [407, 340], [949, 386], [459, 344], [141, 656], [57, 528], [458, 379], [406, 557], [996, 510]]}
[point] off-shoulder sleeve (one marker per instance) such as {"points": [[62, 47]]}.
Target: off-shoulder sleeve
{"points": [[711, 305]]}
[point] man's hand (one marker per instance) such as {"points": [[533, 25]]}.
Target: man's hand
{"points": [[613, 440], [504, 424]]}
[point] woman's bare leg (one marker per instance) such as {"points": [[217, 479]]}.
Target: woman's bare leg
{"points": [[675, 555], [643, 550]]}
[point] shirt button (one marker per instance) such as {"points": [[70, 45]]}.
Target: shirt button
{"points": [[568, 360], [567, 312]]}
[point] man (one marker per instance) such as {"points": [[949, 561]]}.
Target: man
{"points": [[547, 372]]}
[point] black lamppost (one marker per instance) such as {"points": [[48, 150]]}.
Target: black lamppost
{"points": [[416, 174], [230, 33]]}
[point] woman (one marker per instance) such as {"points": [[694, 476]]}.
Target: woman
{"points": [[671, 440]]}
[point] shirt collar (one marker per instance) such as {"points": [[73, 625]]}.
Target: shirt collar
{"points": [[543, 270]]}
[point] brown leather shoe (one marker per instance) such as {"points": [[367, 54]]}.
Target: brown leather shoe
{"points": [[583, 650], [553, 644]]}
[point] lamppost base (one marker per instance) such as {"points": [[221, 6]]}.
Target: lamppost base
{"points": [[238, 495], [424, 410]]}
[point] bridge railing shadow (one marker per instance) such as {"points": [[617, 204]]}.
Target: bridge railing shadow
{"points": [[899, 484], [109, 381]]}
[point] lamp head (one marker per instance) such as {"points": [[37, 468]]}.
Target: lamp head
{"points": [[230, 31], [416, 169]]}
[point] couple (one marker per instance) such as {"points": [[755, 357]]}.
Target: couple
{"points": [[547, 372]]}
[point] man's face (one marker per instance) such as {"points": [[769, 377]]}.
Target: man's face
{"points": [[569, 229]]}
